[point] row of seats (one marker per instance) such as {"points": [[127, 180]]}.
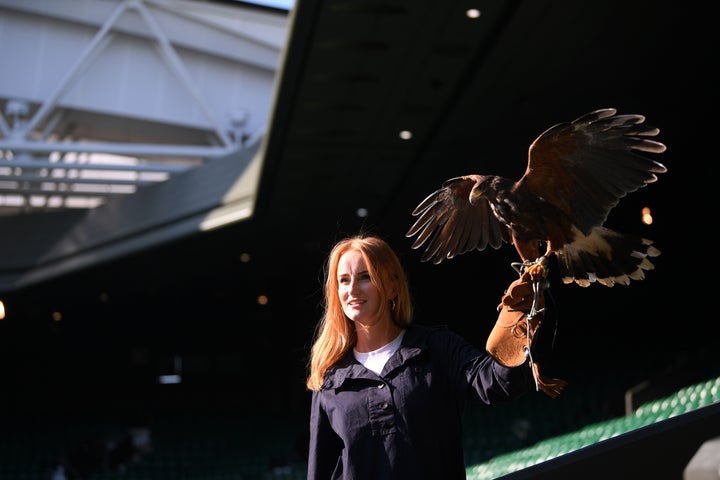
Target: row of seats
{"points": [[683, 401]]}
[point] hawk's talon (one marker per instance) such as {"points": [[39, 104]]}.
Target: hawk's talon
{"points": [[537, 268]]}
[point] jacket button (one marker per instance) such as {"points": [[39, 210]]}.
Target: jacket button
{"points": [[384, 405]]}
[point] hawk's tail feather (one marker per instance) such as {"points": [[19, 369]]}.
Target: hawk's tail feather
{"points": [[606, 257]]}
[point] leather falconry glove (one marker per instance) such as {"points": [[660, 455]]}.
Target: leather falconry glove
{"points": [[521, 314]]}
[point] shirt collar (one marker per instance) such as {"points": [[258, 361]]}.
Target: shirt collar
{"points": [[414, 343]]}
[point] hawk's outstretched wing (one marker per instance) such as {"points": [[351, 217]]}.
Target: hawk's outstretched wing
{"points": [[585, 167], [450, 225]]}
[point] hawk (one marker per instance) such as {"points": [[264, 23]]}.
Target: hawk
{"points": [[577, 172]]}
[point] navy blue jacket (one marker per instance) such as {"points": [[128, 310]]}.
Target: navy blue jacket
{"points": [[407, 422]]}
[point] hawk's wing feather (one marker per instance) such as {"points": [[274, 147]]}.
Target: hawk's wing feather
{"points": [[586, 166], [449, 225]]}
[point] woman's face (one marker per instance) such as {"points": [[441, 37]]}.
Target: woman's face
{"points": [[359, 297]]}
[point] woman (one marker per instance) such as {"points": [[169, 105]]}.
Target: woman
{"points": [[388, 395]]}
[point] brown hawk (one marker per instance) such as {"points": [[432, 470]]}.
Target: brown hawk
{"points": [[576, 173]]}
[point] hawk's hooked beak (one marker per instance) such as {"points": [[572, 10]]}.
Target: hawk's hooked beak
{"points": [[475, 195]]}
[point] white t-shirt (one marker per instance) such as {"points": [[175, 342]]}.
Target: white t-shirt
{"points": [[375, 360]]}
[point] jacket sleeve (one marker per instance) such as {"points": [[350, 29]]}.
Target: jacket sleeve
{"points": [[480, 375], [325, 446], [493, 382]]}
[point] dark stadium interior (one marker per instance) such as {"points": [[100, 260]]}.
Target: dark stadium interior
{"points": [[357, 73]]}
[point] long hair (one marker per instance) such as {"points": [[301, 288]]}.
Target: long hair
{"points": [[335, 333]]}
